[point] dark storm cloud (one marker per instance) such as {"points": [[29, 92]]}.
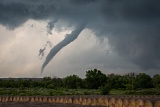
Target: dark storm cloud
{"points": [[132, 27], [13, 14]]}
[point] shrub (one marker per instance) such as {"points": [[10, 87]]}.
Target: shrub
{"points": [[158, 86], [128, 87], [105, 90]]}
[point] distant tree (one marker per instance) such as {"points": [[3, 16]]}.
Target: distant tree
{"points": [[156, 81], [131, 79], [26, 83], [7, 84], [143, 81], [128, 87], [35, 84], [122, 81], [52, 86], [73, 82], [95, 79], [46, 79], [58, 82], [117, 81]]}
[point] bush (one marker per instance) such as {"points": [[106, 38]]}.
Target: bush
{"points": [[50, 93], [130, 92], [51, 86], [86, 93], [128, 87], [158, 86], [105, 90]]}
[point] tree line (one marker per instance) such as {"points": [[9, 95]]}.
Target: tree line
{"points": [[94, 79]]}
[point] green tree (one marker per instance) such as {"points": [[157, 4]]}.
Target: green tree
{"points": [[95, 79], [131, 79], [46, 79], [156, 81], [58, 82], [52, 86], [34, 84], [117, 81], [143, 81], [46, 82], [73, 82]]}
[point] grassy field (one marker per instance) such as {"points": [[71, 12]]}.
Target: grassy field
{"points": [[117, 92], [151, 91], [58, 92], [46, 92]]}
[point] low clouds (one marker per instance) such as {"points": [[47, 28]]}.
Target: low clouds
{"points": [[132, 27]]}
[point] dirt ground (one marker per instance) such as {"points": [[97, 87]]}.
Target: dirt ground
{"points": [[29, 104]]}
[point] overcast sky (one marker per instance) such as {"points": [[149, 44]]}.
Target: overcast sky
{"points": [[114, 36]]}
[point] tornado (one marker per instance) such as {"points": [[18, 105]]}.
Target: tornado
{"points": [[67, 40]]}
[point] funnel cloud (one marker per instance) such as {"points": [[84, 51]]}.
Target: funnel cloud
{"points": [[67, 40]]}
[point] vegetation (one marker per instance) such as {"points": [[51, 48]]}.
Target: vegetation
{"points": [[46, 92], [105, 90], [95, 79], [94, 83]]}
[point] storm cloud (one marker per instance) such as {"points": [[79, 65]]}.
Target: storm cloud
{"points": [[132, 27]]}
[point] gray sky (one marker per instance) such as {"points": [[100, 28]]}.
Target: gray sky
{"points": [[118, 37]]}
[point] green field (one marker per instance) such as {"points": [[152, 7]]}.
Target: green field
{"points": [[58, 92], [46, 92]]}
